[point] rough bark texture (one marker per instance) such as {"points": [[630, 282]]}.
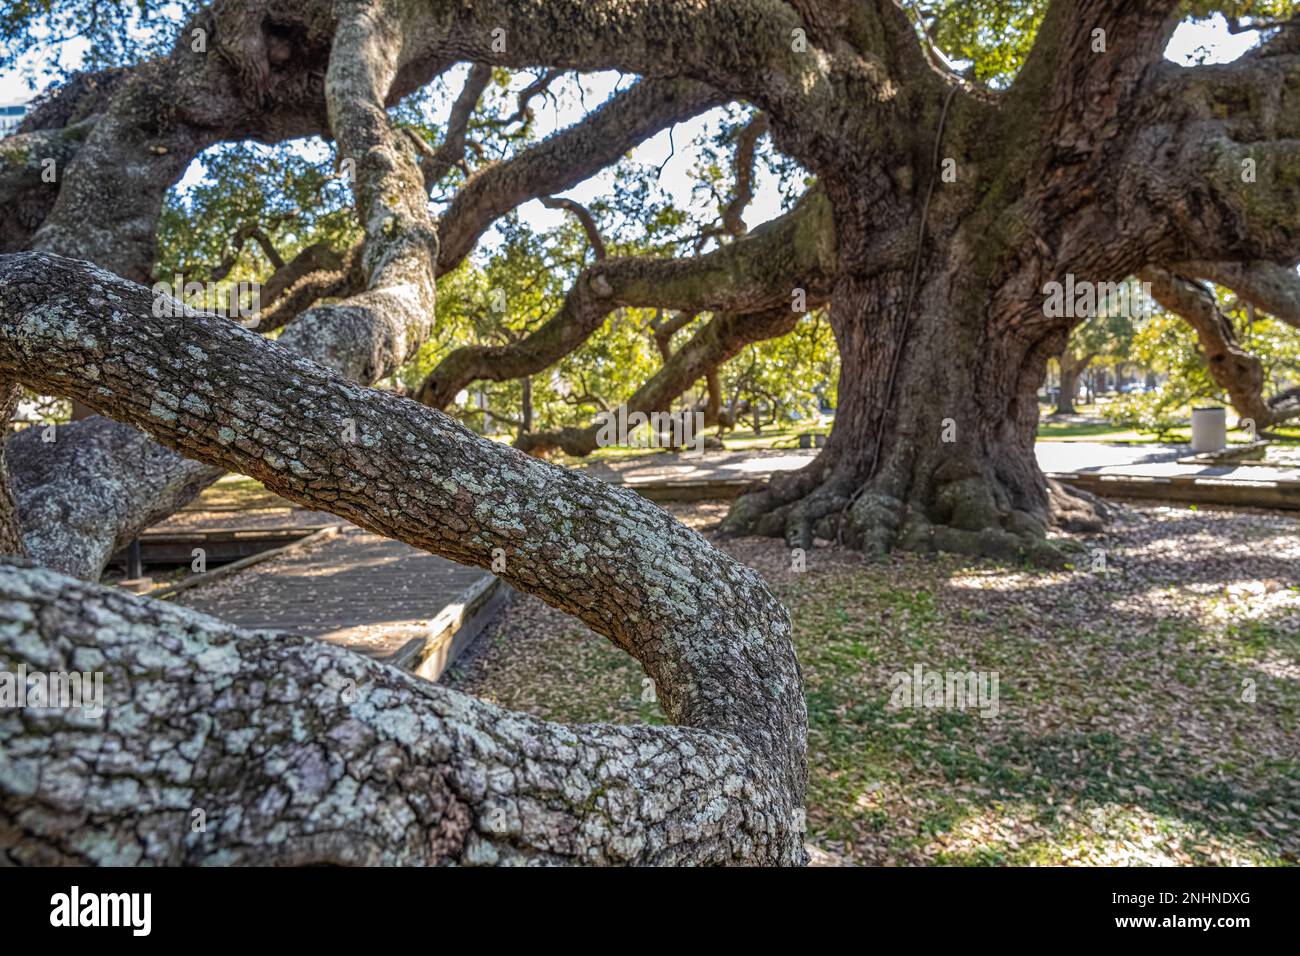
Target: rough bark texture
{"points": [[366, 339], [11, 530], [1091, 165], [933, 440], [75, 532], [403, 772]]}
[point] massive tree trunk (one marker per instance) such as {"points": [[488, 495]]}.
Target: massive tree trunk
{"points": [[945, 330], [300, 752], [1095, 162], [932, 445]]}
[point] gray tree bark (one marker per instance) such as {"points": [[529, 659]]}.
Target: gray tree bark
{"points": [[302, 753]]}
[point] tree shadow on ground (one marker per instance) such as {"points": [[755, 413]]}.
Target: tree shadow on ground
{"points": [[1147, 713]]}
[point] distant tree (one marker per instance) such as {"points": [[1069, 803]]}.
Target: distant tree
{"points": [[1107, 336]]}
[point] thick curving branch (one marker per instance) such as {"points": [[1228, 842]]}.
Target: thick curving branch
{"points": [[373, 333], [566, 158], [88, 493], [717, 341], [756, 273], [31, 167], [743, 193], [1211, 168], [11, 529], [1087, 61], [79, 506], [1235, 370], [742, 47], [397, 771], [1268, 286]]}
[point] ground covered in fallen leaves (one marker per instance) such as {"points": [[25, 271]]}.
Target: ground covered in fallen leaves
{"points": [[1148, 707]]}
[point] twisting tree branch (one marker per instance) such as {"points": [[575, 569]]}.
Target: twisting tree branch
{"points": [[566, 159], [662, 330], [396, 770], [743, 193], [718, 340], [438, 163], [1233, 369], [1269, 286], [584, 217], [754, 274], [242, 235]]}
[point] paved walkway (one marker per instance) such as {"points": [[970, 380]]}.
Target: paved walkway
{"points": [[1146, 460], [1149, 461]]}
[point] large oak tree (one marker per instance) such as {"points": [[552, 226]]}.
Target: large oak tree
{"points": [[1098, 161]]}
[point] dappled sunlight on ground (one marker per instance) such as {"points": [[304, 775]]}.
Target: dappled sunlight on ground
{"points": [[1148, 710]]}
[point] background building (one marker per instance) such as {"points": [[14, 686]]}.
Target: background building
{"points": [[11, 114]]}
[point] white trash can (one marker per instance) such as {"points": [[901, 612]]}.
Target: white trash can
{"points": [[1209, 429]]}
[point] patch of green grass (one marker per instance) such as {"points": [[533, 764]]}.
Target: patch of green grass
{"points": [[1099, 429], [743, 439], [1090, 431], [233, 492]]}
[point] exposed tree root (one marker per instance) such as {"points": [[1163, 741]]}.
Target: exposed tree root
{"points": [[967, 516]]}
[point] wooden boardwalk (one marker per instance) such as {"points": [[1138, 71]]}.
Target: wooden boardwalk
{"points": [[360, 590]]}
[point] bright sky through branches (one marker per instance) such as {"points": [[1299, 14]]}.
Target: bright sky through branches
{"points": [[1205, 42]]}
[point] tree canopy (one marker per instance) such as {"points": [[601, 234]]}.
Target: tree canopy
{"points": [[944, 172]]}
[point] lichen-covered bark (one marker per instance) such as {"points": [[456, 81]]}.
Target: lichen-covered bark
{"points": [[705, 627], [30, 166], [11, 531], [372, 334], [1119, 160], [78, 506], [291, 751], [367, 337]]}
